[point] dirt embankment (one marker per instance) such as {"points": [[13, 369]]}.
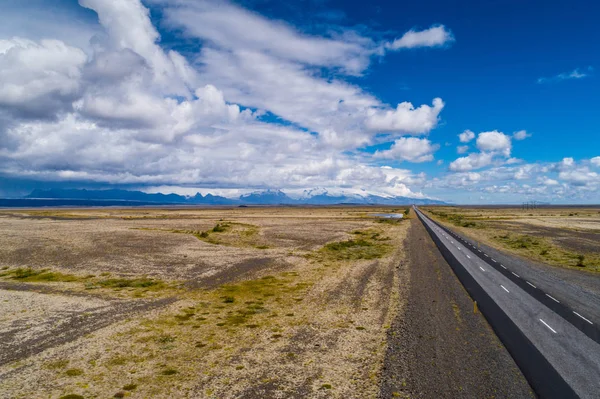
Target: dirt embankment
{"points": [[438, 348]]}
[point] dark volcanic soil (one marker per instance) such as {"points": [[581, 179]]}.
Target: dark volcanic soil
{"points": [[438, 348]]}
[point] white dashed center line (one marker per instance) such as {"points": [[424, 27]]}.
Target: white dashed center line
{"points": [[502, 266], [458, 248], [482, 269], [515, 274], [468, 257], [487, 256], [546, 324], [530, 284], [494, 260], [504, 288], [554, 299], [582, 317]]}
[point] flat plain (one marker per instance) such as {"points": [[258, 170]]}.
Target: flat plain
{"points": [[566, 237], [219, 302]]}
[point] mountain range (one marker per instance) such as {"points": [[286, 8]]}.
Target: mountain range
{"points": [[267, 197]]}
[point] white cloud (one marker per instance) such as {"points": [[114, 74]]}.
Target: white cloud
{"points": [[521, 135], [232, 28], [39, 79], [406, 118], [595, 161], [579, 177], [128, 25], [466, 136], [553, 182], [433, 37], [494, 141], [575, 74], [410, 149], [512, 161], [125, 111], [462, 149], [470, 162], [546, 181], [567, 163]]}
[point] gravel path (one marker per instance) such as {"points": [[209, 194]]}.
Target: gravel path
{"points": [[437, 347]]}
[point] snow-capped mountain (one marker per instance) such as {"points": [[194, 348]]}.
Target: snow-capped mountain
{"points": [[316, 196]]}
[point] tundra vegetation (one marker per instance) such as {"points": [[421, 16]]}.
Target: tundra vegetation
{"points": [[254, 302], [559, 236]]}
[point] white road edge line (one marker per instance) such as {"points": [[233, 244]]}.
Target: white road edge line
{"points": [[554, 299], [582, 317], [515, 274], [503, 287], [546, 324], [530, 284]]}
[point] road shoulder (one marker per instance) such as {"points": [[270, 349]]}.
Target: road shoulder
{"points": [[438, 347]]}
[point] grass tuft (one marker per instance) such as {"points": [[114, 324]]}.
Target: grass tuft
{"points": [[169, 371], [362, 248], [130, 387], [32, 275], [74, 372]]}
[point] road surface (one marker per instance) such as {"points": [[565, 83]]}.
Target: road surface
{"points": [[555, 346]]}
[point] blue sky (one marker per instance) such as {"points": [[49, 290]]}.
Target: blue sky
{"points": [[231, 97]]}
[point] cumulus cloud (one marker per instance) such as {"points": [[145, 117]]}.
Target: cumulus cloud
{"points": [[595, 161], [567, 163], [565, 181], [470, 162], [435, 36], [466, 136], [462, 149], [579, 177], [494, 141], [521, 135], [39, 80], [546, 181], [493, 145], [406, 118], [409, 149]]}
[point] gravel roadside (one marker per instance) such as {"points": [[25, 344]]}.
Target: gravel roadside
{"points": [[437, 347]]}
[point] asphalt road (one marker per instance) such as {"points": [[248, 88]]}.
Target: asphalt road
{"points": [[555, 346]]}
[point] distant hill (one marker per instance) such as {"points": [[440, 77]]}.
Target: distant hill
{"points": [[133, 196], [267, 197]]}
